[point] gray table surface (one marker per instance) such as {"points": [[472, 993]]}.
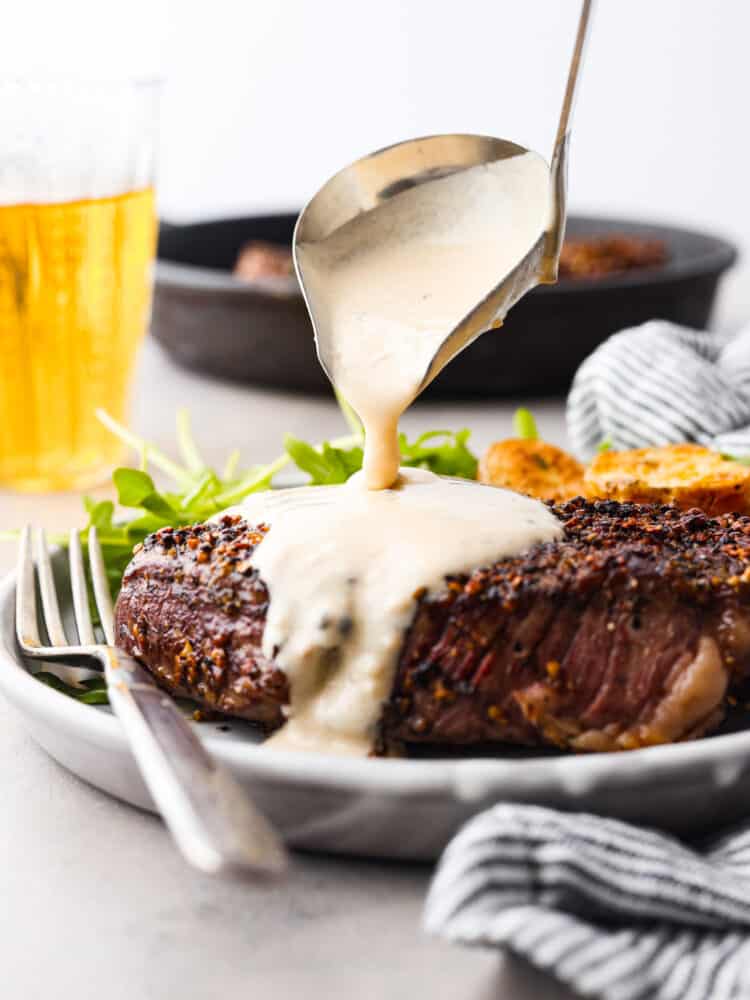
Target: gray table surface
{"points": [[95, 900]]}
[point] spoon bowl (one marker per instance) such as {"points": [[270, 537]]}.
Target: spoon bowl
{"points": [[372, 180]]}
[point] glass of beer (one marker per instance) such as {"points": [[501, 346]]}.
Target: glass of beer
{"points": [[77, 241]]}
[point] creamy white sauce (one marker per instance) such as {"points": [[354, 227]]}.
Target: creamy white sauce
{"points": [[389, 286], [343, 565]]}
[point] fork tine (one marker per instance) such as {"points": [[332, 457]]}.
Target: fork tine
{"points": [[50, 607], [27, 627], [101, 587], [80, 593]]}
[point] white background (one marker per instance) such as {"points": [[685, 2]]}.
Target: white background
{"points": [[265, 98]]}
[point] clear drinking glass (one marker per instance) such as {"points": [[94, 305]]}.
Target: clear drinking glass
{"points": [[77, 241]]}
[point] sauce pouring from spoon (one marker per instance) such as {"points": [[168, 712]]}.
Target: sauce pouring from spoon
{"points": [[407, 255]]}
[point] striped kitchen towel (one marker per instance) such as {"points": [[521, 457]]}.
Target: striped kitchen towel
{"points": [[611, 910], [659, 383]]}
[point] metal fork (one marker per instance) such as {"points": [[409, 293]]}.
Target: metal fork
{"points": [[209, 815]]}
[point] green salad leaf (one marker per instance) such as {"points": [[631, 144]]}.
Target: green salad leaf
{"points": [[92, 691], [524, 424], [326, 464], [444, 452]]}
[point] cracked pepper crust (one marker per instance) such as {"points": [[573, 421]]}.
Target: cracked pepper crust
{"points": [[626, 632]]}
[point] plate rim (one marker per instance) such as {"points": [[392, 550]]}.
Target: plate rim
{"points": [[468, 779]]}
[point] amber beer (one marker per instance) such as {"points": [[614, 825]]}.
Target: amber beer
{"points": [[77, 241], [74, 302]]}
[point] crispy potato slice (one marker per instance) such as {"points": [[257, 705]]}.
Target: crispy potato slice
{"points": [[533, 467], [686, 474]]}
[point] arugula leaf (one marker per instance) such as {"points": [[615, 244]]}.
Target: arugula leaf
{"points": [[92, 691], [136, 489], [100, 514], [186, 444], [524, 425], [326, 465], [132, 486], [445, 453], [346, 461]]}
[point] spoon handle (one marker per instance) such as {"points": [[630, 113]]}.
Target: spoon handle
{"points": [[556, 232], [563, 127]]}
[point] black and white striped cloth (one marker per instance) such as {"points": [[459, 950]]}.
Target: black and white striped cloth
{"points": [[659, 383], [611, 910]]}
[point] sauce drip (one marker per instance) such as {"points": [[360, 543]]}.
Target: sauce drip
{"points": [[388, 287], [343, 565]]}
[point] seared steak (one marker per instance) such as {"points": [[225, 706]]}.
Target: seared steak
{"points": [[629, 631], [192, 609]]}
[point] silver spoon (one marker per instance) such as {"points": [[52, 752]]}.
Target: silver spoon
{"points": [[375, 178]]}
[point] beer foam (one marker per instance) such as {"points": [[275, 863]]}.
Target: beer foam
{"points": [[72, 139]]}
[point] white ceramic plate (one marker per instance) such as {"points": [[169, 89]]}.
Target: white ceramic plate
{"points": [[393, 808]]}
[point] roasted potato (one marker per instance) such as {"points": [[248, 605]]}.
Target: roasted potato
{"points": [[686, 474], [533, 467]]}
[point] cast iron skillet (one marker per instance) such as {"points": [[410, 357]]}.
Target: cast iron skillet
{"points": [[212, 322]]}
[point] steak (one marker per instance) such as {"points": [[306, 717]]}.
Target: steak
{"points": [[628, 631]]}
